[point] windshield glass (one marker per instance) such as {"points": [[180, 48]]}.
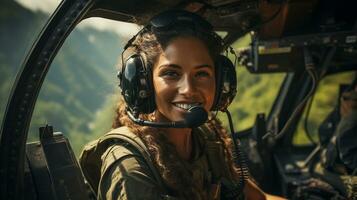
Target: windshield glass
{"points": [[80, 91], [20, 23], [255, 92], [324, 102]]}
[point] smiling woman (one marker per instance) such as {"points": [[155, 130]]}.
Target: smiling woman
{"points": [[170, 67], [183, 77]]}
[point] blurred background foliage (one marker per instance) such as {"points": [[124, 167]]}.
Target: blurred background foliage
{"points": [[80, 92], [325, 100]]}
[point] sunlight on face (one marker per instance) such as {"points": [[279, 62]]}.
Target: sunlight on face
{"points": [[183, 76]]}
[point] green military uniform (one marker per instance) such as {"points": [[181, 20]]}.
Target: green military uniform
{"points": [[127, 178], [126, 174]]}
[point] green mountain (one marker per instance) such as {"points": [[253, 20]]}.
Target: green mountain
{"points": [[81, 77]]}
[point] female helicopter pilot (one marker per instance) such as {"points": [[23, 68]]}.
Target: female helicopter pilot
{"points": [[162, 146]]}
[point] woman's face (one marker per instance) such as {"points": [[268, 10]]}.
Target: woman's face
{"points": [[183, 76]]}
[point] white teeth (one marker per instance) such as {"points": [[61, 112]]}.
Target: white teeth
{"points": [[186, 106]]}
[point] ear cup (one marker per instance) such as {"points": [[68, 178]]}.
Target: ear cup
{"points": [[226, 83], [136, 85]]}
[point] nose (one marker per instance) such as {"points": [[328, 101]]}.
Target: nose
{"points": [[187, 86]]}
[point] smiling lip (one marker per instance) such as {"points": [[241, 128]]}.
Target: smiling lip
{"points": [[186, 106]]}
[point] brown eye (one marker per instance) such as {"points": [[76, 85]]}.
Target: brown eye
{"points": [[170, 74], [203, 74]]}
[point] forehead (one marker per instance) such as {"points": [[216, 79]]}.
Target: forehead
{"points": [[184, 41], [186, 49]]}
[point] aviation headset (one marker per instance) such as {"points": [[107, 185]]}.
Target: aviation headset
{"points": [[136, 78]]}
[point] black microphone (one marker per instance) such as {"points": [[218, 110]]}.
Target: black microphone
{"points": [[194, 117]]}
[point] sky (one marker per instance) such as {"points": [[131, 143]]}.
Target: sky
{"points": [[48, 6]]}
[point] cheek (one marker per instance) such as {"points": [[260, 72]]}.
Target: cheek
{"points": [[209, 93], [163, 91]]}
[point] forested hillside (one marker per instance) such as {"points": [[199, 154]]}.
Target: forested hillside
{"points": [[81, 76], [17, 30]]}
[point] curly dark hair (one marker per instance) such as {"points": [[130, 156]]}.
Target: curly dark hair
{"points": [[165, 157]]}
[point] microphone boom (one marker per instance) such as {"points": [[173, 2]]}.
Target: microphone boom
{"points": [[195, 117]]}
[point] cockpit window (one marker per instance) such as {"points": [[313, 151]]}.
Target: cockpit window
{"points": [[255, 92], [20, 23], [311, 126], [80, 90]]}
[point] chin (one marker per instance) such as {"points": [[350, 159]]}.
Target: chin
{"points": [[178, 117]]}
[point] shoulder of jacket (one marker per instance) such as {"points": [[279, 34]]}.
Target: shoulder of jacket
{"points": [[119, 153], [92, 156]]}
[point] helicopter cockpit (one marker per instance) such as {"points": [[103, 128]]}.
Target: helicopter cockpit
{"points": [[313, 43]]}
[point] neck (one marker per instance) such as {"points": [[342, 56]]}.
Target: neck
{"points": [[181, 138]]}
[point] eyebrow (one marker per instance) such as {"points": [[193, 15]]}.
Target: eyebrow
{"points": [[179, 67], [170, 65]]}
